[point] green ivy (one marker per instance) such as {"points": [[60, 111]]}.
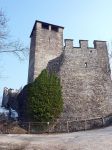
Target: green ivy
{"points": [[45, 98]]}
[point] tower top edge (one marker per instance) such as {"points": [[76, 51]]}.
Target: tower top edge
{"points": [[38, 21]]}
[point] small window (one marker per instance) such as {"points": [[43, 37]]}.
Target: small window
{"points": [[54, 28], [90, 51], [45, 26], [49, 40], [85, 64]]}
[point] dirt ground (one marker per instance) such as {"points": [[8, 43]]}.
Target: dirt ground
{"points": [[100, 139]]}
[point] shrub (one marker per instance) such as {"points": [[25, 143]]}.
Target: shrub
{"points": [[44, 98]]}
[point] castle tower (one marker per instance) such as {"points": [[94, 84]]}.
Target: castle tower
{"points": [[46, 44], [84, 73], [86, 81]]}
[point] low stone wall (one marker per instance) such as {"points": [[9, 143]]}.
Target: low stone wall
{"points": [[64, 126], [76, 125], [61, 126]]}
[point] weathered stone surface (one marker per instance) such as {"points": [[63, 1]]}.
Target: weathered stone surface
{"points": [[86, 82], [84, 72], [46, 44]]}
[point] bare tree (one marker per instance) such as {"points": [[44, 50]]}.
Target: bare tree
{"points": [[15, 47]]}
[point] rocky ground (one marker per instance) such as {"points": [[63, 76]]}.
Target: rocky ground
{"points": [[100, 139]]}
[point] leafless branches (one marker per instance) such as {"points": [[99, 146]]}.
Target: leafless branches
{"points": [[3, 26], [15, 47]]}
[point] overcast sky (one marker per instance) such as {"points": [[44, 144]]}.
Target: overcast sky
{"points": [[82, 19]]}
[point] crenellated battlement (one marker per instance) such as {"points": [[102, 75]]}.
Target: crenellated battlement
{"points": [[88, 57], [40, 25], [83, 44]]}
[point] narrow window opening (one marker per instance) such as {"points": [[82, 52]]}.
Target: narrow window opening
{"points": [[45, 26], [85, 64], [54, 28], [90, 51], [49, 40]]}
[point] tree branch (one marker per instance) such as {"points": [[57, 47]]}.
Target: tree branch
{"points": [[15, 47]]}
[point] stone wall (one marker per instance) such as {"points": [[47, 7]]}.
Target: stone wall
{"points": [[84, 72], [86, 82], [78, 125]]}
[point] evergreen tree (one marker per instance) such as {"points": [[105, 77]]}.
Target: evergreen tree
{"points": [[44, 98]]}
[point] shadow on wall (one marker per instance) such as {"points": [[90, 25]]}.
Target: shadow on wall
{"points": [[54, 65]]}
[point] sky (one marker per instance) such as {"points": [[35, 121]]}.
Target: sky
{"points": [[82, 19]]}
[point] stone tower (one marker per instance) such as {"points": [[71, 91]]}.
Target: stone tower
{"points": [[46, 44], [84, 71]]}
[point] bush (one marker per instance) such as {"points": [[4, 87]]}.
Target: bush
{"points": [[44, 98]]}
